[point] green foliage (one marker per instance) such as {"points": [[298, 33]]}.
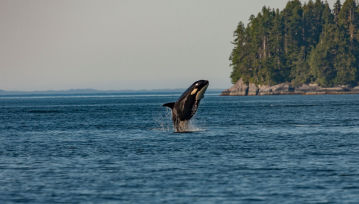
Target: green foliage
{"points": [[303, 43]]}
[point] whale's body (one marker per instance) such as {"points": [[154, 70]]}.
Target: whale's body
{"points": [[187, 104]]}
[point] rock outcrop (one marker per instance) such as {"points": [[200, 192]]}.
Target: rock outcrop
{"points": [[238, 89], [250, 89]]}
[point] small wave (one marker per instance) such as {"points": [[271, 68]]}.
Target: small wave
{"points": [[44, 111], [307, 125]]}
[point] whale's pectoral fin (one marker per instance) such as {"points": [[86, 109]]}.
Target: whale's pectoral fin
{"points": [[170, 105]]}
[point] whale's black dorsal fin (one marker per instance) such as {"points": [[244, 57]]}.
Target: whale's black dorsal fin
{"points": [[170, 105]]}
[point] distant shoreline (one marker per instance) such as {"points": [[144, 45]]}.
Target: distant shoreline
{"points": [[94, 91], [250, 89]]}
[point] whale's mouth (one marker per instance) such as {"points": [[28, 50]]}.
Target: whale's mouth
{"points": [[200, 93]]}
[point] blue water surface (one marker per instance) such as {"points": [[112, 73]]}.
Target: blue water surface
{"points": [[121, 148]]}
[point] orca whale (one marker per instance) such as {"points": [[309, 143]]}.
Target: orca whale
{"points": [[187, 104]]}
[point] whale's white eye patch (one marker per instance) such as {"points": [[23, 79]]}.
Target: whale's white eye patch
{"points": [[194, 91]]}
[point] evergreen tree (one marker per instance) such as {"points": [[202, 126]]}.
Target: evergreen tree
{"points": [[347, 58], [336, 10], [238, 55], [323, 56]]}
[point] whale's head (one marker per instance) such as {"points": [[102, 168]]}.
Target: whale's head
{"points": [[197, 89], [188, 103]]}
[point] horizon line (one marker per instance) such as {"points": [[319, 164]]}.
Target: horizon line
{"points": [[100, 90]]}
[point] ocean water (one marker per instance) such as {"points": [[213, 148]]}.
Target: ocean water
{"points": [[121, 148]]}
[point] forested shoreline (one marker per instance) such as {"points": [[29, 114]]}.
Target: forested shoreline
{"points": [[303, 43]]}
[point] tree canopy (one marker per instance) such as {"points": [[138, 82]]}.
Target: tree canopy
{"points": [[303, 43]]}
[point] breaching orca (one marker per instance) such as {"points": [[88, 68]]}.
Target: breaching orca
{"points": [[186, 106]]}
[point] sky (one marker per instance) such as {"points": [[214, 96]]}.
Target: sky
{"points": [[119, 44]]}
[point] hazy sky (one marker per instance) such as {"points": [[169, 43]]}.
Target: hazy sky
{"points": [[123, 44]]}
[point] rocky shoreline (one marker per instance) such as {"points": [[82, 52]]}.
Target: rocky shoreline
{"points": [[250, 89]]}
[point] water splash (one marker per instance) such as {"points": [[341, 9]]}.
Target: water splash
{"points": [[193, 126], [164, 123], [188, 126]]}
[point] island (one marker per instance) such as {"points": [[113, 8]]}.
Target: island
{"points": [[306, 48]]}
